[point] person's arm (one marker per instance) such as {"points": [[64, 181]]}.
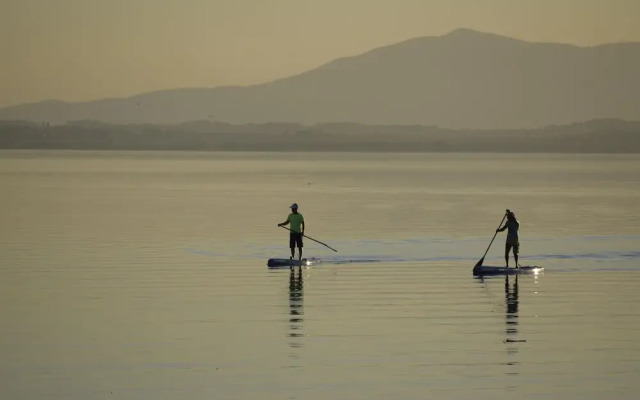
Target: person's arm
{"points": [[284, 223], [502, 229], [302, 227]]}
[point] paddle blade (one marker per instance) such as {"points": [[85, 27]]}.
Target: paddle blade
{"points": [[479, 264]]}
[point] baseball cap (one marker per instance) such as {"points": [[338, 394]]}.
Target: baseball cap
{"points": [[294, 205]]}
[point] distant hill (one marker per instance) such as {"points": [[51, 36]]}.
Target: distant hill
{"points": [[465, 79]]}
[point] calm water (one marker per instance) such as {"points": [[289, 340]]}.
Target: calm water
{"points": [[143, 276]]}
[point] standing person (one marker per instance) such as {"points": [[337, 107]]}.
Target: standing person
{"points": [[296, 228], [513, 242]]}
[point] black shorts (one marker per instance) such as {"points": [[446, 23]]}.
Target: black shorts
{"points": [[513, 244], [295, 239]]}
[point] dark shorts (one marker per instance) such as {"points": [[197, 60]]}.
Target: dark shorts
{"points": [[513, 243], [295, 239]]}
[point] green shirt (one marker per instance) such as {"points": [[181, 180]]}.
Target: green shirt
{"points": [[295, 222]]}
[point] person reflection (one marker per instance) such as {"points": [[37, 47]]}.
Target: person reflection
{"points": [[296, 311], [511, 318], [511, 296]]}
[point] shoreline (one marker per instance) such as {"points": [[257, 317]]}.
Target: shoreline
{"points": [[598, 136]]}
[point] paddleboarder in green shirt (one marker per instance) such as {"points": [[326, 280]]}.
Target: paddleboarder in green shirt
{"points": [[295, 220], [513, 242]]}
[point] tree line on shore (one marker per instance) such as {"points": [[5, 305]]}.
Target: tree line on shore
{"points": [[597, 136]]}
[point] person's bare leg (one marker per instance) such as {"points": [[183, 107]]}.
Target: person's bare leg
{"points": [[506, 254]]}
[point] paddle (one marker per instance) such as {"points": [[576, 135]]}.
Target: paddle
{"points": [[494, 236], [317, 241]]}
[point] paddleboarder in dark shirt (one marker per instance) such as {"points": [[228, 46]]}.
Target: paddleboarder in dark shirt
{"points": [[296, 228], [512, 242]]}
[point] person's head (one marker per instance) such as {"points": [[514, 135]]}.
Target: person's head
{"points": [[510, 215], [294, 207]]}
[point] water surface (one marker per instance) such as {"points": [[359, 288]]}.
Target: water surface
{"points": [[143, 276]]}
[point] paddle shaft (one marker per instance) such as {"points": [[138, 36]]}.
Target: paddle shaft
{"points": [[490, 243], [317, 241]]}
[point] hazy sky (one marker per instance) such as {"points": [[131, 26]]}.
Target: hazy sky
{"points": [[77, 50]]}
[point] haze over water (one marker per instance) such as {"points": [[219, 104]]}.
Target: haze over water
{"points": [[136, 275]]}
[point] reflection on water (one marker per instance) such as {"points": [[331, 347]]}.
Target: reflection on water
{"points": [[511, 296], [511, 319], [296, 310]]}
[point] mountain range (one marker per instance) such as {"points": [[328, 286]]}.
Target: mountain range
{"points": [[462, 80]]}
